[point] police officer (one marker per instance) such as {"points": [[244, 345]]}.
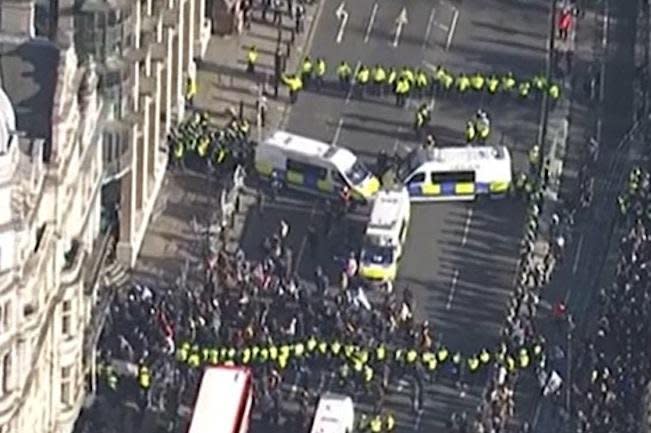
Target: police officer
{"points": [[190, 91], [523, 89], [402, 91], [379, 79], [295, 84], [344, 73], [144, 381], [319, 71], [306, 71], [362, 78], [471, 132], [251, 59]]}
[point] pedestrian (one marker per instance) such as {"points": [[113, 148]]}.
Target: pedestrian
{"points": [[299, 18]]}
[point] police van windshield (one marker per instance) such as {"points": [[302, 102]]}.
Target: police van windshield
{"points": [[377, 255], [357, 173]]}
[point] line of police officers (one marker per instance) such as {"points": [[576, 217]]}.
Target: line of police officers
{"points": [[406, 81]]}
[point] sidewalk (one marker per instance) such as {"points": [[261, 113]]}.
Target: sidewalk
{"points": [[181, 220], [223, 82]]}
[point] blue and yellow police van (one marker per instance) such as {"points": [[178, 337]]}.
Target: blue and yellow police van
{"points": [[311, 166]]}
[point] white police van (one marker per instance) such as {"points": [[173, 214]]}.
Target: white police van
{"points": [[385, 235], [312, 166]]}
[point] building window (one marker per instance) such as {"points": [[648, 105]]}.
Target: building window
{"points": [[66, 319], [6, 373], [66, 386]]}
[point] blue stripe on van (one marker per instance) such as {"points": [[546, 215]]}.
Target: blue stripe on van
{"points": [[414, 189], [447, 188], [310, 180], [482, 188]]}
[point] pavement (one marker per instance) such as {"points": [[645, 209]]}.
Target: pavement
{"points": [[607, 41], [460, 259]]}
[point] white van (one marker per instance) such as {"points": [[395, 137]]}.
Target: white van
{"points": [[313, 166], [335, 413], [385, 235]]}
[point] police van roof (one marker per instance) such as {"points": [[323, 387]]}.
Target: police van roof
{"points": [[458, 155], [387, 208], [334, 414], [311, 148]]}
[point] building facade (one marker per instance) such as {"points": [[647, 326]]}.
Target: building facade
{"points": [[50, 182], [147, 49]]}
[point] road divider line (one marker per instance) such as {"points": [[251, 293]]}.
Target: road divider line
{"points": [[335, 139], [577, 256], [453, 288], [349, 95], [428, 31], [453, 28], [371, 21], [396, 143], [466, 227]]}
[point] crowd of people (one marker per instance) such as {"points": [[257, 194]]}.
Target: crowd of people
{"points": [[615, 361], [313, 334]]}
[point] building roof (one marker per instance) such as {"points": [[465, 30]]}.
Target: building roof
{"points": [[28, 73]]}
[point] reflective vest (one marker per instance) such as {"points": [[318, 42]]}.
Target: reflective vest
{"points": [[484, 357], [252, 56], [376, 424], [335, 347], [412, 355], [320, 68], [442, 354], [471, 133], [344, 70], [390, 422], [363, 75], [306, 69], [379, 75], [144, 377], [299, 350], [380, 353], [473, 364], [190, 88]]}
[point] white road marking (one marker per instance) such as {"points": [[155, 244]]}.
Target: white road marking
{"points": [[429, 28], [400, 23], [342, 16], [352, 84], [577, 257], [442, 27], [466, 228], [453, 28], [419, 418], [371, 21], [453, 288], [335, 139]]}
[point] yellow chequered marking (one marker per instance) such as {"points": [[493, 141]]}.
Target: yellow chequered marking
{"points": [[464, 188], [499, 186], [325, 185], [294, 177], [431, 189]]}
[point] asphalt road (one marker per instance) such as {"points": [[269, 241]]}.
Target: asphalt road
{"points": [[460, 258]]}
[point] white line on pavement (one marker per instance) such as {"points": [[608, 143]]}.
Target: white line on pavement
{"points": [[577, 257], [419, 418], [371, 21], [335, 139], [429, 28], [453, 288], [342, 16], [466, 228], [442, 27], [453, 27], [352, 84]]}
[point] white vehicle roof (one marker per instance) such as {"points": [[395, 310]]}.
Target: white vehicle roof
{"points": [[334, 414], [388, 212], [309, 148], [486, 161], [220, 393]]}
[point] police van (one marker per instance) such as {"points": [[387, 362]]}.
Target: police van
{"points": [[335, 413], [456, 173], [385, 235], [312, 166]]}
